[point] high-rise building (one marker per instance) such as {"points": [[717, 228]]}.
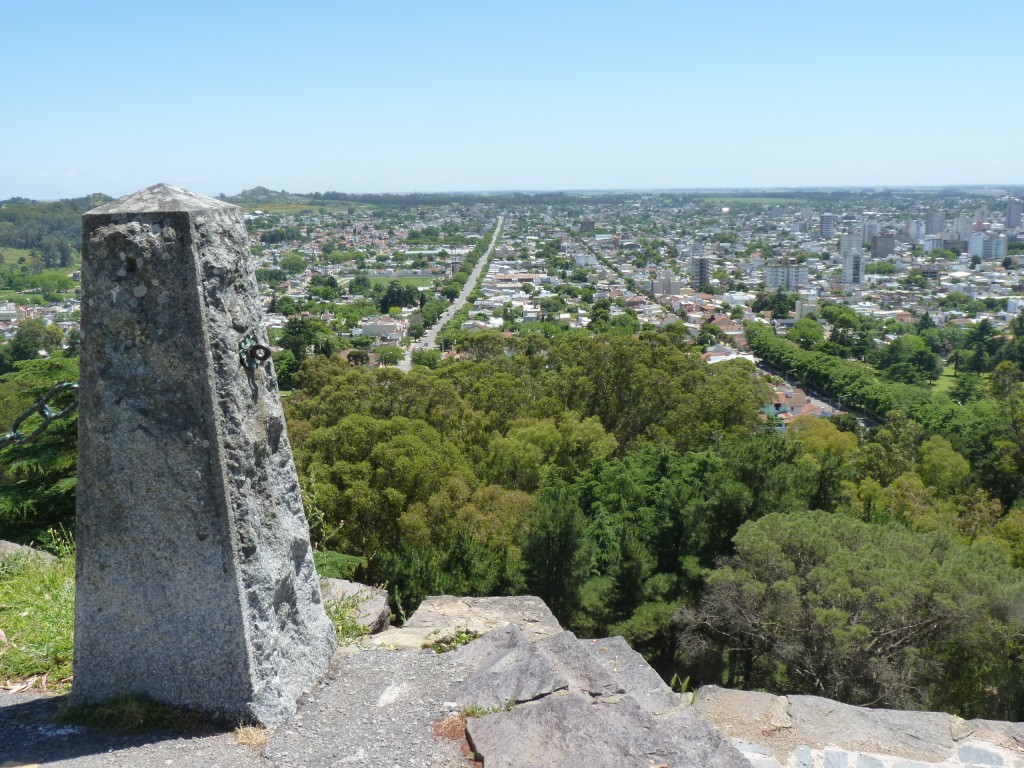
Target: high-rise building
{"points": [[1013, 214], [884, 245], [995, 248], [701, 266], [963, 225], [990, 246], [871, 228], [850, 242], [827, 225], [853, 267], [667, 283], [935, 222], [786, 275]]}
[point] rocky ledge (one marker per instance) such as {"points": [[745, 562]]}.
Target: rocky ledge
{"points": [[523, 693]]}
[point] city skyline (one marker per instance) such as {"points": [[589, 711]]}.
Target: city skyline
{"points": [[454, 97]]}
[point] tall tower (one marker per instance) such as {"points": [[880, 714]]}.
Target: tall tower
{"points": [[827, 225], [701, 265], [1013, 214], [853, 267]]}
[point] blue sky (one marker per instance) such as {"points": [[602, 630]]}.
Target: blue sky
{"points": [[437, 96]]}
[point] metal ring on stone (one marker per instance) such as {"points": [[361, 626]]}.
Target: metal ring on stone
{"points": [[259, 352], [252, 353]]}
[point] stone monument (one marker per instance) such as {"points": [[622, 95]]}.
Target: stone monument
{"points": [[195, 577]]}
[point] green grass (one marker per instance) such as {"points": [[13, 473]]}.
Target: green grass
{"points": [[947, 380], [456, 640], [33, 293], [37, 616], [414, 281], [344, 615], [11, 255]]}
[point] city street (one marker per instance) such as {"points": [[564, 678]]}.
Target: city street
{"points": [[429, 339]]}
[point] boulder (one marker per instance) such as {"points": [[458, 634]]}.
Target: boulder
{"points": [[791, 726], [631, 673], [10, 549], [374, 613], [575, 729], [445, 618], [506, 669]]}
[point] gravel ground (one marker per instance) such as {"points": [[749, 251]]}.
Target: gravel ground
{"points": [[376, 708]]}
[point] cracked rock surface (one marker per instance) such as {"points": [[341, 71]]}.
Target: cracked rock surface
{"points": [[557, 701]]}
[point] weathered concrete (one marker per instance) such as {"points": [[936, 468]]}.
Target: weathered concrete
{"points": [[195, 578]]}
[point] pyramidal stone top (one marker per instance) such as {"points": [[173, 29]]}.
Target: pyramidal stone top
{"points": [[161, 198]]}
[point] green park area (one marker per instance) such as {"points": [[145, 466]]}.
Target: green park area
{"points": [[415, 282], [24, 280]]}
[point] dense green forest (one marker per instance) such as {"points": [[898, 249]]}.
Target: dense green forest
{"points": [[643, 492], [28, 224]]}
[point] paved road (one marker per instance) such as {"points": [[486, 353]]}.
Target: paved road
{"points": [[429, 340], [817, 398]]}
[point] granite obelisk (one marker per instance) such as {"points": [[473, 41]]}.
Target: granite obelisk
{"points": [[195, 577]]}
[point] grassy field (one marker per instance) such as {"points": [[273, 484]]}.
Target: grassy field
{"points": [[414, 281], [332, 206], [947, 380], [11, 255], [9, 265]]}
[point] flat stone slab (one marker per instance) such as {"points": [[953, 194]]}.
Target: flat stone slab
{"points": [[811, 732], [377, 709], [575, 730], [445, 617], [509, 669], [1007, 735], [630, 672], [374, 613]]}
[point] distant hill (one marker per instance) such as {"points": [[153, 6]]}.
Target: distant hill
{"points": [[264, 196], [32, 224]]}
